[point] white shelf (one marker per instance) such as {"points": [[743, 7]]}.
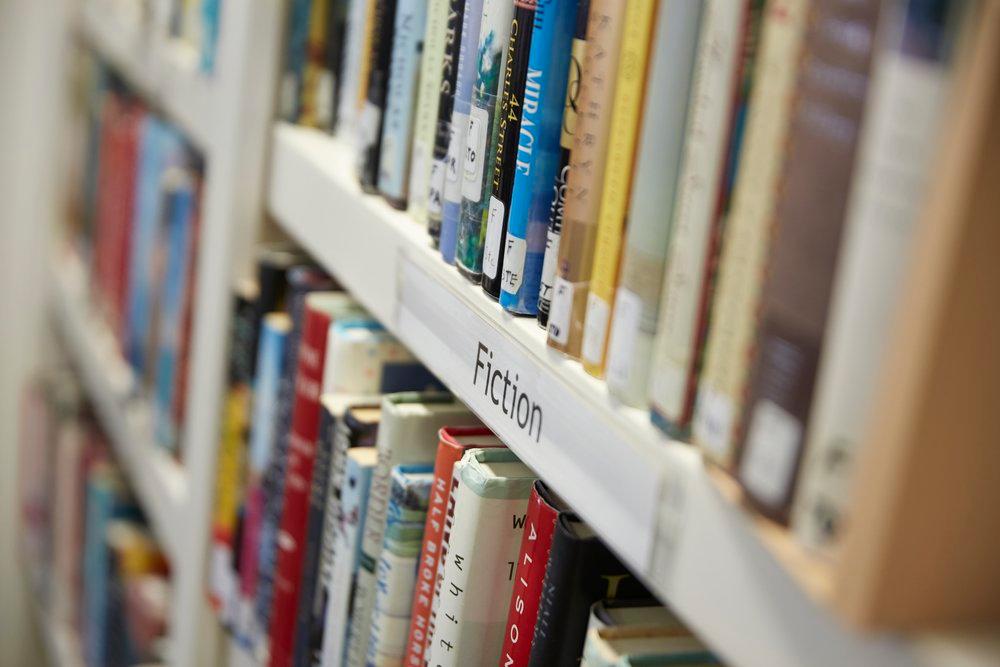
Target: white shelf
{"points": [[162, 70], [158, 480], [649, 498]]}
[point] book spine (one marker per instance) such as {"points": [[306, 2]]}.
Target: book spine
{"points": [[626, 118], [554, 231], [637, 299], [399, 107], [443, 129], [372, 118], [481, 136], [537, 154], [348, 101], [485, 532], [508, 128], [809, 220], [532, 561], [455, 159], [328, 97], [346, 558], [315, 75], [695, 213], [895, 158], [741, 270], [586, 173], [295, 59], [429, 94]]}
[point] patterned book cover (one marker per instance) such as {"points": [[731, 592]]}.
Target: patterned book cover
{"points": [[451, 204], [537, 154], [407, 435], [809, 219], [443, 129], [425, 114], [515, 77], [481, 136], [744, 253], [626, 118], [697, 215], [454, 442], [586, 174], [486, 516], [396, 572], [658, 161], [397, 133], [372, 118], [568, 127]]}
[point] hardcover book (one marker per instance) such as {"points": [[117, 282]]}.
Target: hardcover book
{"points": [[453, 443], [313, 104], [623, 647], [658, 161], [355, 53], [372, 118], [485, 520], [586, 175], [289, 95]]}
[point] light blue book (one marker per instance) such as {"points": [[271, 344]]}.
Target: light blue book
{"points": [[538, 154]]}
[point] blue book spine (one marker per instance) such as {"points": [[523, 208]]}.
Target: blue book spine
{"points": [[180, 227], [538, 154], [210, 36], [465, 79], [397, 132]]}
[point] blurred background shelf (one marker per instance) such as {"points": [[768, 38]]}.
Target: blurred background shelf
{"points": [[159, 481]]}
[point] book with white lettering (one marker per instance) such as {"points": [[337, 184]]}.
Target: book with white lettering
{"points": [[486, 515], [408, 434], [346, 552]]}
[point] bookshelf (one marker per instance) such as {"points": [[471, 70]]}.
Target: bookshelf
{"points": [[62, 645], [669, 522]]}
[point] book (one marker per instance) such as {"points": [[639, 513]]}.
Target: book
{"points": [[322, 310], [71, 459], [529, 574], [443, 129], [809, 219], [623, 647], [453, 443], [397, 133], [554, 231], [726, 41], [328, 94], [485, 520], [626, 118], [658, 161], [515, 78], [586, 173], [360, 463], [289, 96], [902, 118], [372, 118], [537, 154], [314, 98], [745, 248], [355, 52], [638, 613], [465, 76], [425, 114], [581, 570], [396, 572], [302, 280], [407, 435], [481, 137]]}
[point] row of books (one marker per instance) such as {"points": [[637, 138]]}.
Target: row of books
{"points": [[357, 521], [141, 211], [709, 204], [95, 565]]}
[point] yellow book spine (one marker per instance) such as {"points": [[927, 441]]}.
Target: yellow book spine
{"points": [[625, 119], [228, 488]]}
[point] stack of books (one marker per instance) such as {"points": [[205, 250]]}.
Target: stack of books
{"points": [[140, 212], [709, 204], [96, 568]]}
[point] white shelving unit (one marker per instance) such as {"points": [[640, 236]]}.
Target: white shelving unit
{"points": [[651, 499]]}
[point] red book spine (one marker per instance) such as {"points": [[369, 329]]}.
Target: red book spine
{"points": [[450, 450], [298, 481], [179, 407], [532, 562]]}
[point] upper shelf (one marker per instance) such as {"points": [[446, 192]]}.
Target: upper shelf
{"points": [[651, 499], [163, 70], [158, 480]]}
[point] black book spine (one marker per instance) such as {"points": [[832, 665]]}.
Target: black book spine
{"points": [[509, 126], [336, 29], [446, 104], [373, 114]]}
